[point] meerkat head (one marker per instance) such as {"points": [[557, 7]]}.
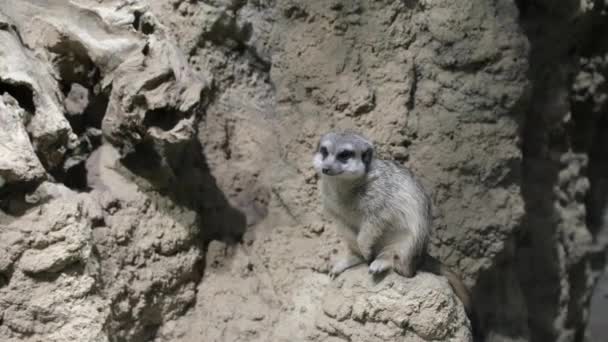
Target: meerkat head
{"points": [[343, 155]]}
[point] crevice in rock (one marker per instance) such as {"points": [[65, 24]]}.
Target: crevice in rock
{"points": [[93, 110], [5, 278], [596, 204], [589, 124], [536, 256], [76, 177], [74, 65], [182, 178], [163, 118], [142, 23], [579, 298], [137, 20], [499, 304], [552, 265], [85, 106], [186, 179], [12, 198], [22, 93]]}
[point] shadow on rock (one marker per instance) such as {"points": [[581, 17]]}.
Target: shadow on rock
{"points": [[182, 175]]}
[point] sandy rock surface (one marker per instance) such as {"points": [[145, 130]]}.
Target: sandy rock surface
{"points": [[156, 180], [19, 162]]}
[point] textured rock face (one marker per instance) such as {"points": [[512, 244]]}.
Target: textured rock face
{"points": [[156, 179], [412, 310], [49, 294], [19, 162]]}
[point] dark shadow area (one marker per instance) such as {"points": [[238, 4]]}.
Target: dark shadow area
{"points": [[378, 277], [181, 174], [179, 182], [97, 108], [518, 297], [93, 114], [77, 71], [597, 197], [136, 19], [536, 257], [76, 177], [141, 24], [74, 65], [147, 28], [521, 296], [181, 177], [234, 36], [22, 93], [5, 279], [555, 129], [13, 199], [162, 118], [498, 304]]}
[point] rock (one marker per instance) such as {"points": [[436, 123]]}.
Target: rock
{"points": [[12, 243], [55, 288], [200, 121], [77, 99], [422, 308], [59, 234], [51, 259], [66, 309], [47, 191], [156, 103], [43, 300], [19, 163], [30, 81]]}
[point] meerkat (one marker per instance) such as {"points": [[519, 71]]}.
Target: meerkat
{"points": [[382, 211]]}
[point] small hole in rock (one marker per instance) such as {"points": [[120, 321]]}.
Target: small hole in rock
{"points": [[77, 123], [97, 110], [142, 25], [147, 28], [22, 93], [74, 178], [137, 20], [146, 50], [162, 118]]}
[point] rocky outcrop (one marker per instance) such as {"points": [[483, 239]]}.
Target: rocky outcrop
{"points": [[48, 291], [19, 163], [94, 258], [29, 82], [156, 179], [419, 309]]}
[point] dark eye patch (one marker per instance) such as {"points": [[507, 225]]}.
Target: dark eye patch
{"points": [[345, 155], [323, 151]]}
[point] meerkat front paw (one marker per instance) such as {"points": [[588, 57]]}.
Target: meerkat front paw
{"points": [[344, 264], [338, 268], [380, 266]]}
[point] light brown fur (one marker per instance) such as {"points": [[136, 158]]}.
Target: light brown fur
{"points": [[383, 213]]}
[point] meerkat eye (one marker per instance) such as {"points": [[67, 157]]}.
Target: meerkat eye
{"points": [[345, 155], [323, 151]]}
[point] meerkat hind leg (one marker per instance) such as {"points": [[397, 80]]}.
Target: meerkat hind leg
{"points": [[404, 262], [348, 261]]}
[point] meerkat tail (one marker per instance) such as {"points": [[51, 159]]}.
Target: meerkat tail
{"points": [[433, 265]]}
